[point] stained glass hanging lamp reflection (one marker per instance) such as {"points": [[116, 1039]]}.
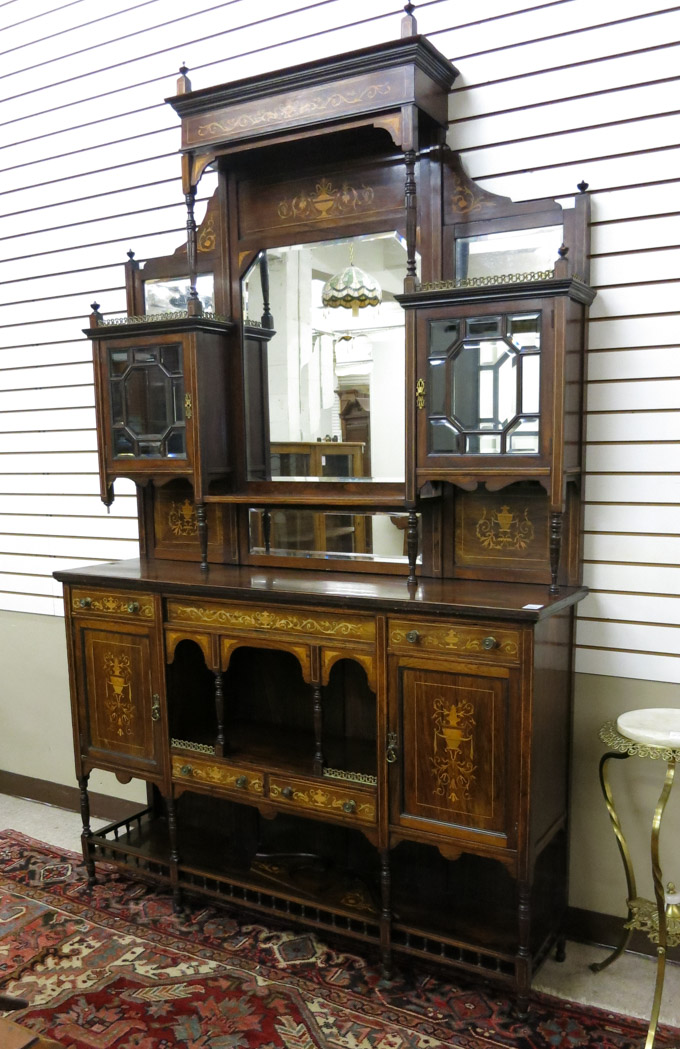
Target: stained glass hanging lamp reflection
{"points": [[352, 288]]}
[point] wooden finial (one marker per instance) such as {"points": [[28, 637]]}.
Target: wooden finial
{"points": [[183, 82], [130, 254], [561, 268], [409, 26], [582, 187], [95, 317]]}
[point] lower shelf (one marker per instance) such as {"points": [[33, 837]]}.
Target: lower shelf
{"points": [[329, 878]]}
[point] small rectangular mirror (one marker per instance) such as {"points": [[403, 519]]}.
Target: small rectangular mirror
{"points": [[171, 296], [513, 253], [330, 534]]}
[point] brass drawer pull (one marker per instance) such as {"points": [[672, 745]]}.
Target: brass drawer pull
{"points": [[413, 637], [241, 781], [287, 792], [489, 643], [186, 770], [391, 754], [349, 806], [133, 606], [85, 602], [155, 707]]}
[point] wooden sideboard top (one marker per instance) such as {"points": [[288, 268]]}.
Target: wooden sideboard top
{"points": [[521, 601]]}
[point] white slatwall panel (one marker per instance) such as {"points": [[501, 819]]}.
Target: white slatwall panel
{"points": [[550, 93], [589, 91]]}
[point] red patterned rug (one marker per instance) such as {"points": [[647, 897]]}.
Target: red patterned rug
{"points": [[114, 968]]}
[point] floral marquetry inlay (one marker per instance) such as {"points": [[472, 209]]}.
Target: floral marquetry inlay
{"points": [[318, 798], [453, 758], [182, 519], [138, 605], [288, 622], [326, 201], [461, 639], [505, 530], [118, 703], [307, 105]]}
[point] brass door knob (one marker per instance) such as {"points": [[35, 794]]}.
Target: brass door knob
{"points": [[85, 602], [489, 643], [349, 806], [133, 606], [413, 637], [242, 781], [287, 792], [186, 770]]}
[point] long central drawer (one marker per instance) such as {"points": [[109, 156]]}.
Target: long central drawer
{"points": [[298, 622]]}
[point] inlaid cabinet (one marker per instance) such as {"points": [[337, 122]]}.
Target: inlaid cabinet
{"points": [[351, 404], [118, 682]]}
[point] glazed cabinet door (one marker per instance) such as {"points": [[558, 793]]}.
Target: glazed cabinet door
{"points": [[456, 739], [119, 706]]}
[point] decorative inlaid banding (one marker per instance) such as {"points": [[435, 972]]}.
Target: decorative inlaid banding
{"points": [[137, 606], [352, 628], [188, 768], [332, 800], [487, 641]]}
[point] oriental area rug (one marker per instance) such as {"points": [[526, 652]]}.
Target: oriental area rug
{"points": [[114, 968]]}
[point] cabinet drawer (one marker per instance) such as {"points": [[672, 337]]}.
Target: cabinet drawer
{"points": [[292, 622], [486, 640], [191, 769], [111, 603], [321, 797]]}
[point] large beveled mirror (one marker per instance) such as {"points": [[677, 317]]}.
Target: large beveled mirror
{"points": [[330, 361]]}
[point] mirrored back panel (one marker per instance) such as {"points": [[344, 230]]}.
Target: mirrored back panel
{"points": [[328, 403], [339, 535]]}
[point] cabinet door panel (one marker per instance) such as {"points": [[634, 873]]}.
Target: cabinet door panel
{"points": [[119, 703], [456, 753]]}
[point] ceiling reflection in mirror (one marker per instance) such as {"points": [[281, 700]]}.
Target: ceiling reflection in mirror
{"points": [[330, 339]]}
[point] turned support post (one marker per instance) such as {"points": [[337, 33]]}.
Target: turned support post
{"points": [[555, 549], [318, 761], [174, 855], [412, 545], [202, 528], [219, 713], [194, 305], [410, 203], [267, 530]]}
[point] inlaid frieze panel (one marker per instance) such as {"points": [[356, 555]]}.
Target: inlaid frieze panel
{"points": [[272, 620], [385, 89], [336, 196]]}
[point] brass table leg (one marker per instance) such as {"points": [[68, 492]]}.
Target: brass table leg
{"points": [[660, 897], [625, 856]]}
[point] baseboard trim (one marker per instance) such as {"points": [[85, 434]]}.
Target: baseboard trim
{"points": [[607, 931], [101, 805]]}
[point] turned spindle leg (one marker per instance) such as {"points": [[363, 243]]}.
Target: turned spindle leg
{"points": [[386, 913], [86, 834], [174, 855]]}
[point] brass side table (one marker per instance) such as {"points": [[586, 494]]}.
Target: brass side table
{"points": [[652, 733]]}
